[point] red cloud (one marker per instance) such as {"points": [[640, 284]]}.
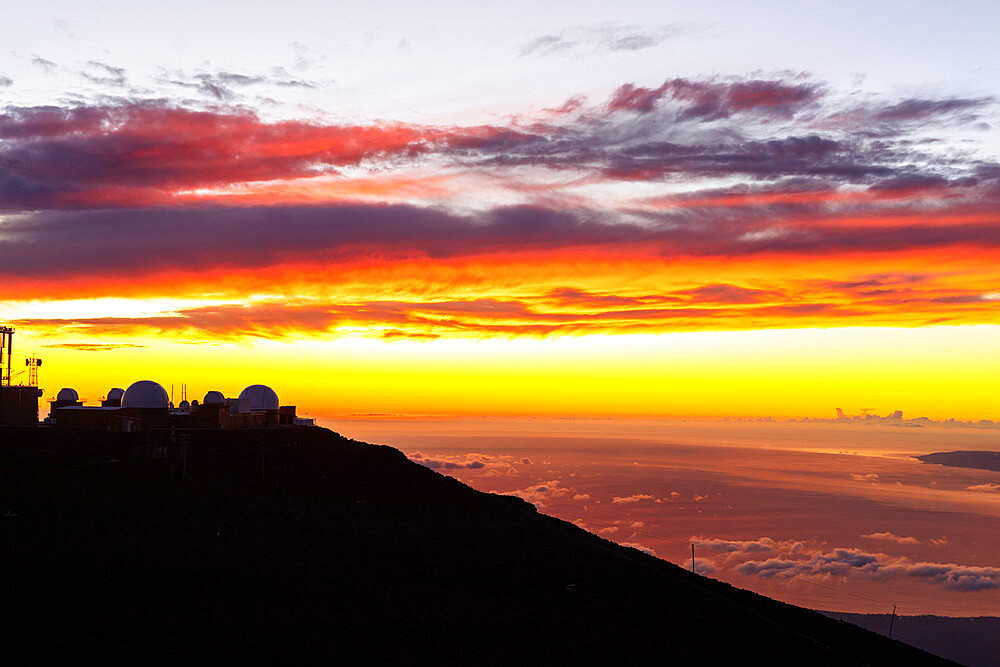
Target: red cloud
{"points": [[87, 155], [123, 200]]}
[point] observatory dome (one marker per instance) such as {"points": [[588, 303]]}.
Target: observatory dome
{"points": [[116, 394], [145, 394], [260, 397], [214, 398], [67, 394]]}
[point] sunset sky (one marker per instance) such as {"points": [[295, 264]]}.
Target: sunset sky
{"points": [[518, 240], [653, 209]]}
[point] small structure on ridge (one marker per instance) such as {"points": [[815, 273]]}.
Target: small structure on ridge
{"points": [[146, 405]]}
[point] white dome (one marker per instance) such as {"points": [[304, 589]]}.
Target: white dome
{"points": [[260, 397], [116, 394], [67, 394], [145, 394], [214, 398]]}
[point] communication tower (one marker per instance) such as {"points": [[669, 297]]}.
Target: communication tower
{"points": [[32, 363]]}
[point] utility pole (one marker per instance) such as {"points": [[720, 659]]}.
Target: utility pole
{"points": [[692, 556], [892, 620]]}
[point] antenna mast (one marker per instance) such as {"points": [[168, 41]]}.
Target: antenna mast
{"points": [[32, 363]]}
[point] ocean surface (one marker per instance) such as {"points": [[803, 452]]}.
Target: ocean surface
{"points": [[826, 515]]}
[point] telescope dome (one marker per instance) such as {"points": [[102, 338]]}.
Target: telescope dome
{"points": [[67, 394], [145, 394], [260, 397], [214, 398]]}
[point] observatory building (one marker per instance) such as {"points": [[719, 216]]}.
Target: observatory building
{"points": [[19, 405], [145, 405]]}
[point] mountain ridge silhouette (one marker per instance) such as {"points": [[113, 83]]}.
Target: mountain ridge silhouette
{"points": [[298, 543]]}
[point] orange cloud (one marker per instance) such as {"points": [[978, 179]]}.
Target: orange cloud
{"points": [[526, 228]]}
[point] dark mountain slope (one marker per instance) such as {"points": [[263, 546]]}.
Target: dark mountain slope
{"points": [[300, 544], [972, 641]]}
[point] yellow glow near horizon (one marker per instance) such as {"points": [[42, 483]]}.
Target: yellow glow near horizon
{"points": [[938, 372]]}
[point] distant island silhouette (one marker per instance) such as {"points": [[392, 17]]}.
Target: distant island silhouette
{"points": [[298, 544], [964, 459]]}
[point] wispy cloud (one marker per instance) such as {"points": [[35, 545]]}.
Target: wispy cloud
{"points": [[43, 64], [889, 536], [227, 86], [597, 38], [104, 74], [93, 347]]}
